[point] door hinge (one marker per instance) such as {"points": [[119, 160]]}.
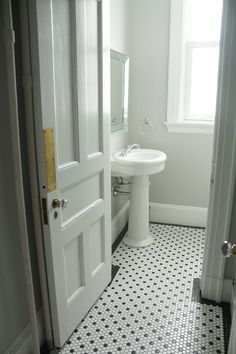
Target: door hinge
{"points": [[9, 36], [45, 213], [213, 168]]}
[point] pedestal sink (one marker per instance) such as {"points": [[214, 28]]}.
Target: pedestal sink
{"points": [[138, 164]]}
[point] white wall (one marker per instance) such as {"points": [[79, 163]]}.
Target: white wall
{"points": [[118, 33], [185, 180]]}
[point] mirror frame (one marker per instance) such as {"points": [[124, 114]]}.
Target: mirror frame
{"points": [[124, 59]]}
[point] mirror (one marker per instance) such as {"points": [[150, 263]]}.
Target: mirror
{"points": [[119, 90]]}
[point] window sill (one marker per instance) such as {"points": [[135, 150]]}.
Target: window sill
{"points": [[190, 127]]}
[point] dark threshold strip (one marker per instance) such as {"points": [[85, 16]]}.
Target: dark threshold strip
{"points": [[115, 268], [119, 238], [225, 306], [114, 271], [44, 349]]}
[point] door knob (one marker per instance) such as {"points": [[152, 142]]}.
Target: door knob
{"points": [[228, 249], [57, 203]]}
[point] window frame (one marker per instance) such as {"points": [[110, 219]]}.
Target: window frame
{"points": [[177, 79]]}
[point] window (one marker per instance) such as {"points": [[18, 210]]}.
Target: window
{"points": [[193, 64]]}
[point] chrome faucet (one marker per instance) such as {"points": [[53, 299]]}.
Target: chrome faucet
{"points": [[124, 151]]}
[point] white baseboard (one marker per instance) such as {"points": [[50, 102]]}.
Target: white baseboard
{"points": [[23, 343], [178, 214], [119, 221]]}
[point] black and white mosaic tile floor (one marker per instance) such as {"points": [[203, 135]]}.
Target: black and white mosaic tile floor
{"points": [[149, 307]]}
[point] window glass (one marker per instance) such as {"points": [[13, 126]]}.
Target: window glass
{"points": [[203, 81], [204, 20], [201, 56]]}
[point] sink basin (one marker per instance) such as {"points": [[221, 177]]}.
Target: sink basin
{"points": [[138, 162]]}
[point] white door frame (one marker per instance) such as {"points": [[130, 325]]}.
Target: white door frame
{"points": [[232, 339], [223, 164]]}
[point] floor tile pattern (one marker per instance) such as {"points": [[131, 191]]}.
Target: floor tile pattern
{"points": [[148, 307]]}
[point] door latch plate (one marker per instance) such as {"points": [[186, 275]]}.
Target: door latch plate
{"points": [[49, 154]]}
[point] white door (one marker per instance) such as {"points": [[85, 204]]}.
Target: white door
{"points": [[222, 193], [70, 60]]}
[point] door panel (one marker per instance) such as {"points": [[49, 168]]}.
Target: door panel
{"points": [[81, 197], [65, 81], [73, 265], [70, 58], [92, 70], [96, 238]]}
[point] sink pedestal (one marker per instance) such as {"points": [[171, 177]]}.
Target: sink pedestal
{"points": [[138, 232], [139, 163]]}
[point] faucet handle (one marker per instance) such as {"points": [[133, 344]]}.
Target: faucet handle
{"points": [[122, 151]]}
